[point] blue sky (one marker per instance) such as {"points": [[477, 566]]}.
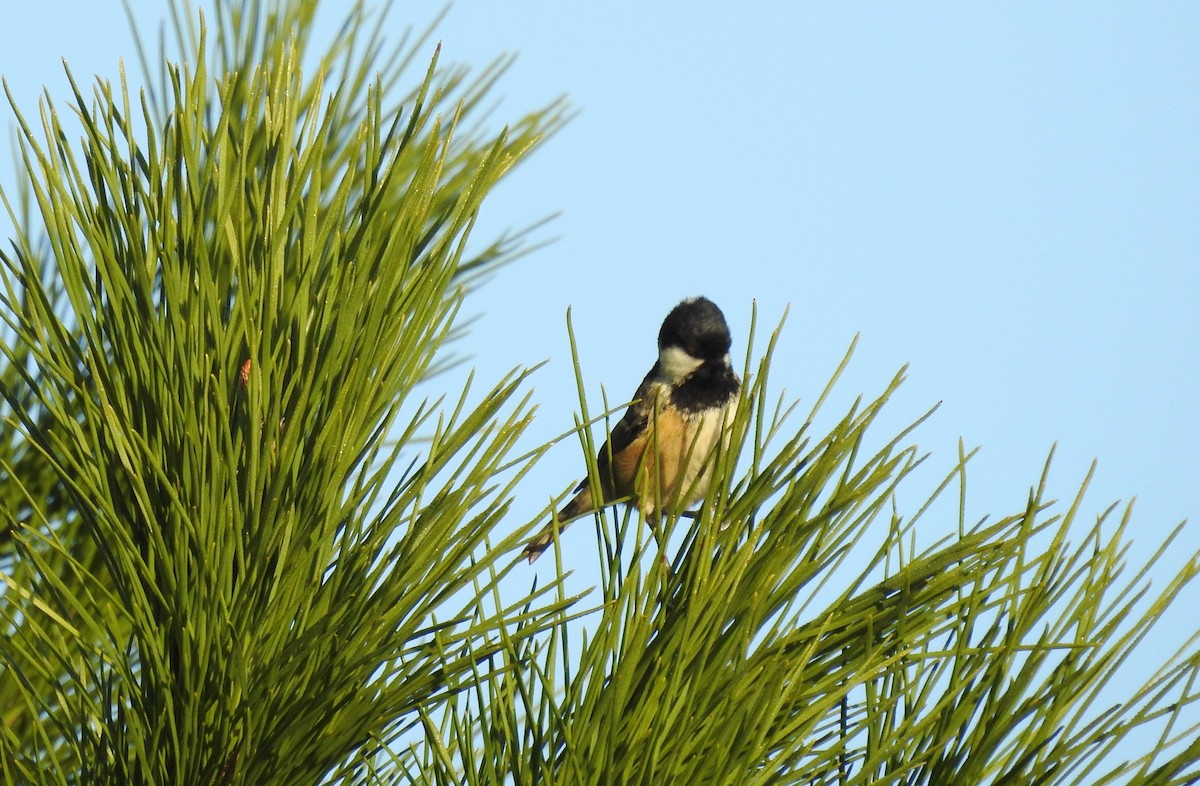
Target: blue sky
{"points": [[1004, 195]]}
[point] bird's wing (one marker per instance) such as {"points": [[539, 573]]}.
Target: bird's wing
{"points": [[632, 425], [629, 428]]}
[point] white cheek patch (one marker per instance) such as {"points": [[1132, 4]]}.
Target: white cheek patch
{"points": [[677, 364]]}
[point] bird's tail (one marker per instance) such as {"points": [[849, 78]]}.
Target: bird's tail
{"points": [[581, 503]]}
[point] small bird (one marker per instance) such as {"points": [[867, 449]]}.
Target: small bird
{"points": [[661, 450]]}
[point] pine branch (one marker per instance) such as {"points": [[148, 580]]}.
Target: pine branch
{"points": [[215, 573]]}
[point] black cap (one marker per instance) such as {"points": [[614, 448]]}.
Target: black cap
{"points": [[697, 327]]}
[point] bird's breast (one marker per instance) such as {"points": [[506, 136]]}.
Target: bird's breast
{"points": [[670, 465]]}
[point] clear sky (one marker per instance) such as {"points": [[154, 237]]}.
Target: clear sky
{"points": [[1004, 195]]}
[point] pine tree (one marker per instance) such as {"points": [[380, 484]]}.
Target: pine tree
{"points": [[242, 539]]}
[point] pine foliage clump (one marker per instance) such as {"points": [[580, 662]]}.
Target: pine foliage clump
{"points": [[245, 538]]}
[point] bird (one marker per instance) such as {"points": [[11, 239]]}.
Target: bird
{"points": [[659, 455]]}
